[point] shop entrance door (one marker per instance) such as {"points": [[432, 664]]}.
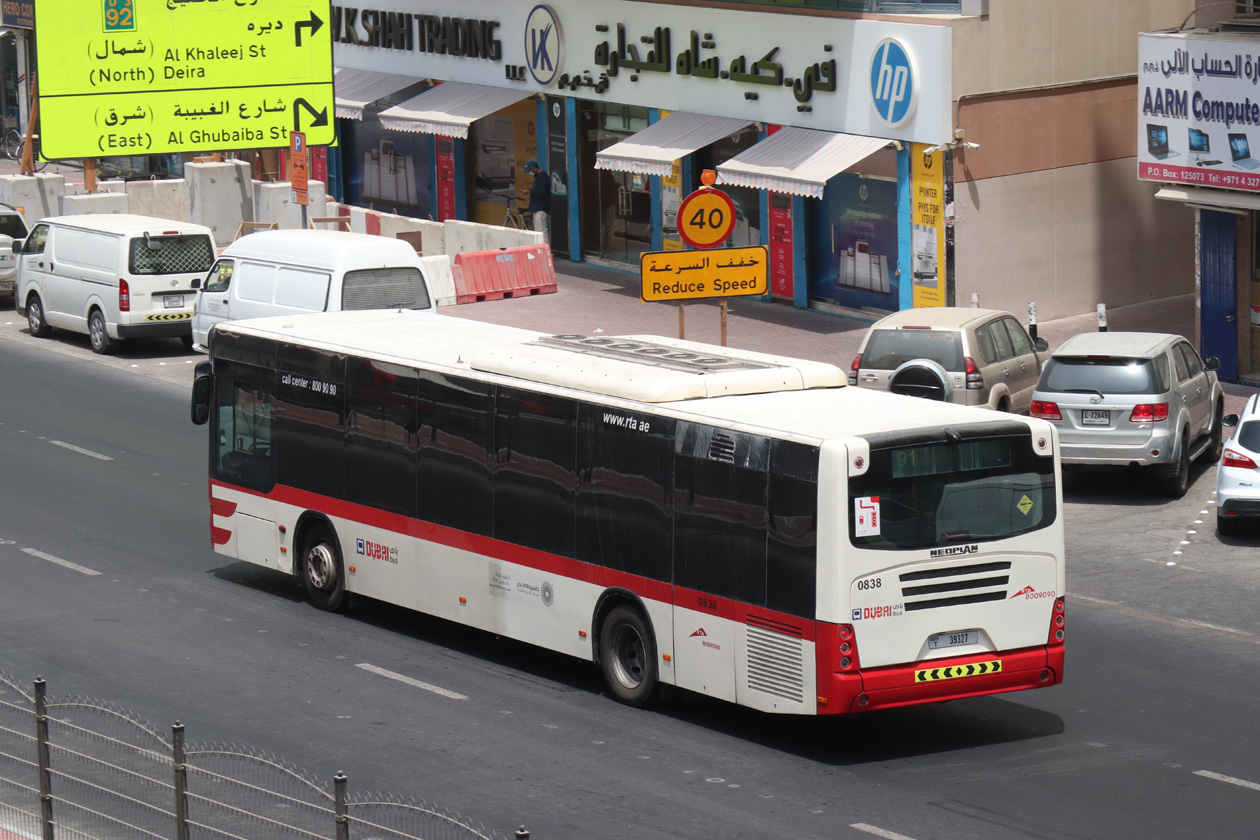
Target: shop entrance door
{"points": [[616, 206]]}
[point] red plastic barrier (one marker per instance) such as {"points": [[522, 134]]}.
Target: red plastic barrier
{"points": [[504, 273]]}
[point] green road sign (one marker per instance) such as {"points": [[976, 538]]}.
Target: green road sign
{"points": [[161, 76]]}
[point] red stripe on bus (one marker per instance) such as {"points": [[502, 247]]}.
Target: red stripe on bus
{"points": [[219, 536], [222, 507], [542, 561]]}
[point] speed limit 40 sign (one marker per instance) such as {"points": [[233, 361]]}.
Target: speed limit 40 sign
{"points": [[706, 218]]}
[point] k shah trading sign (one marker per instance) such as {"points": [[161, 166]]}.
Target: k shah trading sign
{"points": [[130, 77]]}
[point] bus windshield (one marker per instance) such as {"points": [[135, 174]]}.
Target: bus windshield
{"points": [[934, 494]]}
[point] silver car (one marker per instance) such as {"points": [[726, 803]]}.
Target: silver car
{"points": [[1128, 398], [1238, 477], [953, 354]]}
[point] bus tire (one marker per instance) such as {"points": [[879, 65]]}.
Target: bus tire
{"points": [[628, 656], [322, 569]]}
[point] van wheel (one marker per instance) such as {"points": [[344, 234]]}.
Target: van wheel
{"points": [[35, 317], [98, 336]]}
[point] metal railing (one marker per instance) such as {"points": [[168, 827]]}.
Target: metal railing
{"points": [[77, 768]]}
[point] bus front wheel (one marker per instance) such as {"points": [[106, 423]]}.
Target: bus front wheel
{"points": [[627, 656], [322, 569]]}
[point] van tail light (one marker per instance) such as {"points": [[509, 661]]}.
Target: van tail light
{"points": [[1045, 410], [124, 296], [853, 369], [1232, 458], [975, 379], [848, 651], [1058, 622], [1149, 413]]}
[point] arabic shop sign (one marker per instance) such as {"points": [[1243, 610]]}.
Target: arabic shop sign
{"points": [[875, 78], [161, 76], [721, 272], [1199, 110]]}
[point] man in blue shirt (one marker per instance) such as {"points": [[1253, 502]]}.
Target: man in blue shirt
{"points": [[539, 198]]}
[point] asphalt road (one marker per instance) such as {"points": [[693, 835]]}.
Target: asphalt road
{"points": [[1152, 735]]}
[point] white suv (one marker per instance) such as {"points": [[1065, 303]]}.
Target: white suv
{"points": [[1238, 477], [12, 226]]}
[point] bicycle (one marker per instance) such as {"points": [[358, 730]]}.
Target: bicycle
{"points": [[15, 147], [12, 143], [516, 218]]}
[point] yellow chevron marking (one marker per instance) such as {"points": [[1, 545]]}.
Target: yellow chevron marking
{"points": [[170, 316], [955, 671]]}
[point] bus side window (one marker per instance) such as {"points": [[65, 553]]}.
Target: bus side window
{"points": [[244, 436]]}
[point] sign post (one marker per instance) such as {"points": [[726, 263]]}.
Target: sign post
{"points": [[298, 179], [147, 77]]}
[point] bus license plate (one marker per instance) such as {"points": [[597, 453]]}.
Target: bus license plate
{"points": [[173, 301], [1094, 417], [945, 640]]}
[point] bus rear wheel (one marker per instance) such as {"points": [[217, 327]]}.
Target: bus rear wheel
{"points": [[322, 569], [627, 656]]}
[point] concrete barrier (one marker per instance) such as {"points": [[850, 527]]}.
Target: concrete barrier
{"points": [[462, 237], [94, 204], [504, 273], [441, 276], [220, 196], [161, 199], [36, 196]]}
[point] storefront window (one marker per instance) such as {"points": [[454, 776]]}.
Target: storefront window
{"points": [[617, 206], [747, 200]]}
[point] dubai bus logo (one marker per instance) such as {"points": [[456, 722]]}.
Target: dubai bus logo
{"points": [[543, 44], [893, 89]]}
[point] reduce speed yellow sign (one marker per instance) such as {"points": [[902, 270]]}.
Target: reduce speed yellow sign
{"points": [[706, 218], [131, 77]]}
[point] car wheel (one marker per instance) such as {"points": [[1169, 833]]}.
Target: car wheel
{"points": [[1218, 432], [627, 656], [98, 336], [322, 569], [1176, 476], [1227, 526], [35, 317]]}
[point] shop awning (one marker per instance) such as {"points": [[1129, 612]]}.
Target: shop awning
{"points": [[354, 90], [1224, 200], [799, 161], [449, 108], [653, 150]]}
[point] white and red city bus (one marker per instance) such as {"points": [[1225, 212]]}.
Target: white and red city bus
{"points": [[733, 523]]}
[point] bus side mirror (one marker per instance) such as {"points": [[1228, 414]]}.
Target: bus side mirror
{"points": [[203, 387]]}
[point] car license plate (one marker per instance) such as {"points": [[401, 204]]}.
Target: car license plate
{"points": [[173, 301], [6, 285], [962, 637], [1094, 417]]}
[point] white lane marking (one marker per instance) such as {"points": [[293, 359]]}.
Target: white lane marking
{"points": [[80, 450], [409, 681], [1184, 623], [42, 556], [879, 832], [1208, 774]]}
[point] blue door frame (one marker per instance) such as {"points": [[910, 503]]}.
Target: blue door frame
{"points": [[1218, 286]]}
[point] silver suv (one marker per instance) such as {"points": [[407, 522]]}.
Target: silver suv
{"points": [[954, 354], [1128, 398]]}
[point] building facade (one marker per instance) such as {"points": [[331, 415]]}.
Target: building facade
{"points": [[889, 153]]}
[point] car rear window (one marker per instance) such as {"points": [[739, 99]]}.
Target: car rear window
{"points": [[889, 349], [1249, 435], [384, 288], [179, 254], [12, 226], [1110, 375]]}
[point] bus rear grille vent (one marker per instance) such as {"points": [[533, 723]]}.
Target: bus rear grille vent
{"points": [[776, 626], [722, 448], [955, 585], [776, 663]]}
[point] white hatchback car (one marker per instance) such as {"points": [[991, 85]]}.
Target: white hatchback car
{"points": [[1238, 476]]}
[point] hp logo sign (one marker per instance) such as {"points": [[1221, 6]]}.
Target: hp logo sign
{"points": [[542, 44], [893, 87]]}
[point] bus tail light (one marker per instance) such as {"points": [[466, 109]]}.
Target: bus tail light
{"points": [[1058, 622], [975, 379], [1045, 410], [853, 369], [1149, 413], [124, 296], [848, 649]]}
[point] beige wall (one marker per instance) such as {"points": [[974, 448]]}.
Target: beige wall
{"points": [[1022, 43], [1070, 238]]}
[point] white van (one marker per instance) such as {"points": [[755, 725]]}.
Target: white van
{"points": [[279, 272], [111, 276]]}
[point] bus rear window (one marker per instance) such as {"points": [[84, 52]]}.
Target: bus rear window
{"points": [[191, 254], [935, 494]]}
